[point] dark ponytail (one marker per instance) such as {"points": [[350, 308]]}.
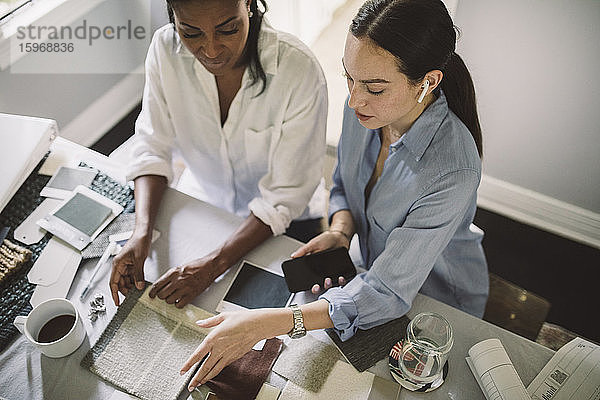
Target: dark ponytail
{"points": [[422, 37], [250, 56], [460, 94]]}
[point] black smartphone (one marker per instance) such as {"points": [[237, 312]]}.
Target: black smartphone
{"points": [[303, 272]]}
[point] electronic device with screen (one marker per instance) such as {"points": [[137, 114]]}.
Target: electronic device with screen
{"points": [[81, 217], [255, 287], [303, 272]]}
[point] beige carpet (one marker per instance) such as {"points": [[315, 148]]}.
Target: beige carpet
{"points": [[144, 346]]}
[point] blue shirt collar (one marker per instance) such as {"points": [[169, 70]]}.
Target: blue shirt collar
{"points": [[419, 136]]}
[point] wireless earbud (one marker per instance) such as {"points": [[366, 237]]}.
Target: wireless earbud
{"points": [[424, 92]]}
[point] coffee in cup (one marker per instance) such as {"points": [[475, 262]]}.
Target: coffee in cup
{"points": [[54, 326]]}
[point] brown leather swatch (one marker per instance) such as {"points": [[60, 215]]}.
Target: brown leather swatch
{"points": [[242, 379]]}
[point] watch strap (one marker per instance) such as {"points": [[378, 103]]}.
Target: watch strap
{"points": [[298, 330]]}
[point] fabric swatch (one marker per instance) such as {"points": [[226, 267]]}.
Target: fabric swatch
{"points": [[123, 223], [83, 213], [12, 257], [200, 393], [118, 395], [306, 362], [268, 392], [344, 382], [382, 389], [144, 346], [366, 347], [243, 378]]}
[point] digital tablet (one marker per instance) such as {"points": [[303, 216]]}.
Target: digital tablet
{"points": [[255, 287]]}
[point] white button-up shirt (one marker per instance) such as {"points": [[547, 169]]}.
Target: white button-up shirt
{"points": [[268, 156]]}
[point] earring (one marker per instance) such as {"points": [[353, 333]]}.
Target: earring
{"points": [[425, 87], [250, 14]]}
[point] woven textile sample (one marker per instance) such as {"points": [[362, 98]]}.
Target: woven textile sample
{"points": [[366, 347], [12, 257], [242, 379], [123, 223], [15, 289], [144, 346], [344, 382], [266, 392], [384, 389], [306, 362]]}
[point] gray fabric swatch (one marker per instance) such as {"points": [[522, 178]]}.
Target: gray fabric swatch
{"points": [[307, 362], [144, 346], [366, 347], [83, 213], [383, 389], [344, 382], [123, 223], [67, 178], [200, 393]]}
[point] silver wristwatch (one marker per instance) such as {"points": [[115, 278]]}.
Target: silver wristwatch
{"points": [[298, 330]]}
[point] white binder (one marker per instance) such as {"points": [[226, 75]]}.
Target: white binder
{"points": [[23, 143]]}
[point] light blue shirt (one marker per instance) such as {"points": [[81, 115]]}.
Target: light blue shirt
{"points": [[416, 231]]}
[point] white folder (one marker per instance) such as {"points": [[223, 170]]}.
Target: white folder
{"points": [[23, 143]]}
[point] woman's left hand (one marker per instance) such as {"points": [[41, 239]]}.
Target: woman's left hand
{"points": [[234, 335]]}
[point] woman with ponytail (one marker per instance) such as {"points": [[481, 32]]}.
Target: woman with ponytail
{"points": [[406, 182], [246, 108]]}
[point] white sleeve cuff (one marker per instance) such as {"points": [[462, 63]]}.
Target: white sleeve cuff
{"points": [[150, 166], [278, 218]]}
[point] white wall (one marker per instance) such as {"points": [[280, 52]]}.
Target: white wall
{"points": [[87, 105], [535, 65], [303, 18], [84, 105]]}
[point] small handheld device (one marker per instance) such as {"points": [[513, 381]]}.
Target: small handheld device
{"points": [[303, 272]]}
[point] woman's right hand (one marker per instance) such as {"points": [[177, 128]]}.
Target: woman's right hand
{"points": [[128, 266], [326, 240]]}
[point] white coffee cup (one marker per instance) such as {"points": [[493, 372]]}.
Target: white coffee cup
{"points": [[31, 325]]}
